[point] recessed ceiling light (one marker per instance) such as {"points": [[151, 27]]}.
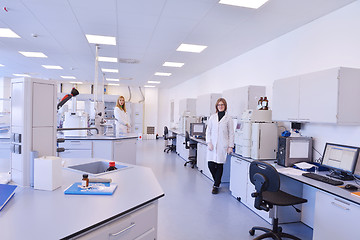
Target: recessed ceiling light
{"points": [[33, 54], [7, 32], [244, 3], [162, 74], [113, 79], [113, 84], [107, 59], [173, 64], [149, 86], [97, 39], [68, 77], [51, 67], [191, 48], [2, 65], [126, 78], [109, 70], [21, 75], [76, 82], [156, 82]]}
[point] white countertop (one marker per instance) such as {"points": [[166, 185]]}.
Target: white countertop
{"points": [[99, 137], [54, 215]]}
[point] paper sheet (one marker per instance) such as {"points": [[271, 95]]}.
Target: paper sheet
{"points": [[290, 171], [304, 165]]}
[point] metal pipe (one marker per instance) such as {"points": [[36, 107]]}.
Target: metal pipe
{"points": [[86, 128]]}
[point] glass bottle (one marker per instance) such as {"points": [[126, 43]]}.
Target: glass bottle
{"points": [[85, 180], [111, 166], [265, 104], [259, 105]]}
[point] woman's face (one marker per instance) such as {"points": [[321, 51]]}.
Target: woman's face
{"points": [[221, 106], [121, 101]]}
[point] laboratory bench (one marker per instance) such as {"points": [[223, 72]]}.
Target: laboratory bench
{"points": [[131, 212], [331, 211], [115, 148]]}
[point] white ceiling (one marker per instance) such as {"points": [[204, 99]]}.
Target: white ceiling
{"points": [[146, 30]]}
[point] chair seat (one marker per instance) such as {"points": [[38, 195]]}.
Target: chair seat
{"points": [[281, 198]]}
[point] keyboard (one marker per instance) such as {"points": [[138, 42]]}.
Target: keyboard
{"points": [[323, 178]]}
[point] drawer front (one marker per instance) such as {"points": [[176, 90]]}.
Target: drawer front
{"points": [[76, 144], [77, 153], [135, 225]]}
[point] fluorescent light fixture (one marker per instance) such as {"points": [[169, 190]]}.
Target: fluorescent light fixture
{"points": [[97, 39], [68, 77], [33, 54], [112, 79], [51, 67], [162, 74], [244, 3], [149, 86], [2, 65], [173, 64], [107, 59], [191, 48], [21, 75], [113, 84], [76, 82], [8, 33], [126, 78], [156, 82], [109, 70]]}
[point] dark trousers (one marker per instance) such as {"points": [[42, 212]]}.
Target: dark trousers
{"points": [[216, 170]]}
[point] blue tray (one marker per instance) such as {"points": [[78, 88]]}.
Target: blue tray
{"points": [[95, 189]]}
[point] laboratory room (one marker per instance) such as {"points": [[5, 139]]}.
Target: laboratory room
{"points": [[179, 119]]}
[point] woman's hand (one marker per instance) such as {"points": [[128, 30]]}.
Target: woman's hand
{"points": [[229, 150], [210, 146]]}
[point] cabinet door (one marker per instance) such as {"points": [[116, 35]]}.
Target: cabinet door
{"points": [[286, 99], [319, 96], [103, 149], [76, 153], [335, 218], [125, 151], [239, 178], [201, 157]]}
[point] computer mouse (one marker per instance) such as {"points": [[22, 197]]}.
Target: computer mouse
{"points": [[351, 187]]}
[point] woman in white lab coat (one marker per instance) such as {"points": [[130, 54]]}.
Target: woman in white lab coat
{"points": [[122, 118], [220, 141]]}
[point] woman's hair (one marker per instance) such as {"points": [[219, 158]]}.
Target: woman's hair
{"points": [[118, 104], [223, 101]]}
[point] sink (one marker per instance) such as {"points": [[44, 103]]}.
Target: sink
{"points": [[96, 168]]}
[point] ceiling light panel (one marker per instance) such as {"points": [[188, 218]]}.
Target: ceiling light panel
{"points": [[155, 82], [149, 86], [173, 64], [51, 67], [8, 33], [76, 82], [2, 65], [68, 77], [113, 79], [109, 70], [113, 84], [162, 74], [191, 48], [244, 3], [97, 39], [107, 59], [21, 75], [33, 54]]}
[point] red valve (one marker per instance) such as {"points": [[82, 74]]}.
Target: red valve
{"points": [[5, 9]]}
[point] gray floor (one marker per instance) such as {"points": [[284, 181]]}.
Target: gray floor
{"points": [[189, 210]]}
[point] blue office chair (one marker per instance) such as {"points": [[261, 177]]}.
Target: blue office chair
{"points": [[268, 195], [169, 147]]}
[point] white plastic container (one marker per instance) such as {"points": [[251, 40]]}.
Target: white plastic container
{"points": [[47, 173]]}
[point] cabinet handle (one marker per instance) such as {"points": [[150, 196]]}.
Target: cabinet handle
{"points": [[340, 206], [122, 231]]}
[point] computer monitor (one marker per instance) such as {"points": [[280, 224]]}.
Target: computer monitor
{"points": [[357, 167], [341, 159], [197, 129]]}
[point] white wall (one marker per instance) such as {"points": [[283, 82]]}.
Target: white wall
{"points": [[330, 41], [151, 109]]}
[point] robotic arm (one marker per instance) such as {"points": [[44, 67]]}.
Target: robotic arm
{"points": [[67, 97]]}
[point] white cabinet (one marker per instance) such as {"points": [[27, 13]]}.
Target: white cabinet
{"points": [[240, 99], [201, 162], [138, 225], [103, 149], [180, 147], [238, 178], [76, 149], [187, 105], [205, 104], [326, 96], [335, 218], [125, 151], [5, 155]]}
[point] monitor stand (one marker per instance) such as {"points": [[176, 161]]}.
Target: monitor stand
{"points": [[341, 175]]}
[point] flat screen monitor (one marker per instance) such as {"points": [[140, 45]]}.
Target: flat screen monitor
{"points": [[340, 158], [357, 167], [197, 129]]}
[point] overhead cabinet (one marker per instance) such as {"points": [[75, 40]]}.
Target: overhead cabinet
{"points": [[328, 96]]}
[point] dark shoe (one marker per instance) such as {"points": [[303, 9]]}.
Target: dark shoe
{"points": [[215, 190]]}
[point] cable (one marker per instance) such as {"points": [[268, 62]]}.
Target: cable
{"points": [[129, 93], [142, 96]]}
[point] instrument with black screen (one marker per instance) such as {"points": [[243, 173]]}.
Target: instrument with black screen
{"points": [[197, 130]]}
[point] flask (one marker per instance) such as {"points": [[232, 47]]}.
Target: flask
{"points": [[265, 104], [259, 105], [85, 180], [111, 166]]}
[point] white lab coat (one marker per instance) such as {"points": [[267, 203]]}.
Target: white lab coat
{"points": [[122, 119], [221, 135]]}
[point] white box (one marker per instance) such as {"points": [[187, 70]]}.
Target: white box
{"points": [[47, 173]]}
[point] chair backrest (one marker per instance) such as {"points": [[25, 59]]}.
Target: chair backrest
{"points": [[166, 132], [187, 140], [265, 178]]}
